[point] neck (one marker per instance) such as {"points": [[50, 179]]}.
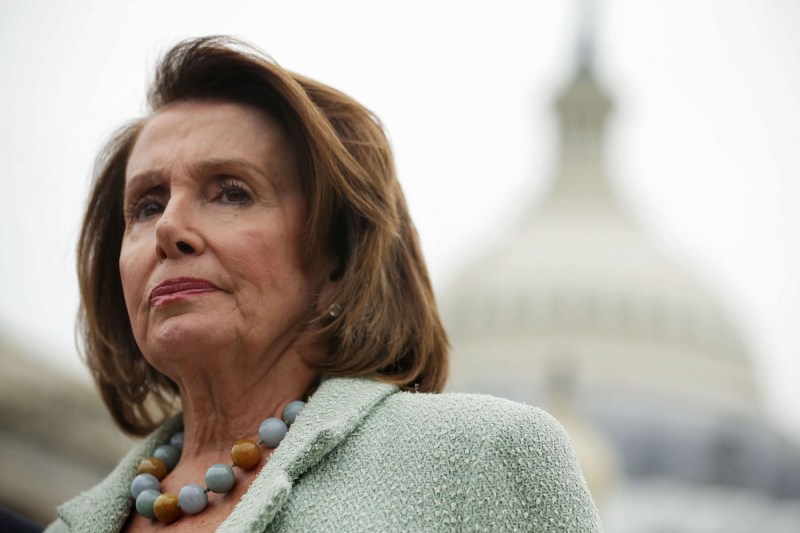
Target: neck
{"points": [[229, 402]]}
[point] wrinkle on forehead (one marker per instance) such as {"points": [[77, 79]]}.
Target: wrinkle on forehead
{"points": [[197, 135]]}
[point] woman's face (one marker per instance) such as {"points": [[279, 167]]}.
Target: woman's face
{"points": [[212, 253]]}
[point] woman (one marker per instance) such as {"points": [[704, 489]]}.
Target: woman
{"points": [[245, 239]]}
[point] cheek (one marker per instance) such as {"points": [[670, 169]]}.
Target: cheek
{"points": [[269, 260], [132, 270]]}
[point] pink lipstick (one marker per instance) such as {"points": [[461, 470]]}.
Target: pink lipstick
{"points": [[176, 289]]}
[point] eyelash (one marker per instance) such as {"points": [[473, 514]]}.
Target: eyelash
{"points": [[231, 184], [226, 185], [134, 211]]}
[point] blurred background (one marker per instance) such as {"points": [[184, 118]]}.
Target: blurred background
{"points": [[606, 194]]}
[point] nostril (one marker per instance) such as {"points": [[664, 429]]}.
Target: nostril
{"points": [[184, 247]]}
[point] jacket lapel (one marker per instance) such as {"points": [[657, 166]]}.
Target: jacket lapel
{"points": [[332, 413]]}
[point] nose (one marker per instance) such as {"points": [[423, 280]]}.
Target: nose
{"points": [[177, 231]]}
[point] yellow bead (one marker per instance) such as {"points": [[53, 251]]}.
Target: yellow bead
{"points": [[166, 508], [153, 465], [245, 454]]}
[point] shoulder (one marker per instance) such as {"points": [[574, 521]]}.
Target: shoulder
{"points": [[474, 428], [516, 464], [476, 417]]}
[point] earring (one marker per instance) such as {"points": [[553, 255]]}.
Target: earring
{"points": [[335, 311]]}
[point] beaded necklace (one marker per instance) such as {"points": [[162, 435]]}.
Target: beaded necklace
{"points": [[193, 498]]}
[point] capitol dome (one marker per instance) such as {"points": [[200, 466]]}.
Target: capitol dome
{"points": [[580, 279], [579, 298]]}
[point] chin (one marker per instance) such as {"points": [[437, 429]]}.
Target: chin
{"points": [[182, 335]]}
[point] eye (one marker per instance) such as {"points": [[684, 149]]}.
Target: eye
{"points": [[145, 208], [232, 192]]}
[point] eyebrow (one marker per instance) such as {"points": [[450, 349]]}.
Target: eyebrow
{"points": [[152, 177], [209, 165], [204, 167]]}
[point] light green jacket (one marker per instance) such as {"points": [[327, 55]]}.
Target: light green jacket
{"points": [[364, 457]]}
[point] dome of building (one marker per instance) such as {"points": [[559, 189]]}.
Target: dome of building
{"points": [[579, 291], [579, 276]]}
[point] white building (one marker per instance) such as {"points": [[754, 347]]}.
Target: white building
{"points": [[578, 312]]}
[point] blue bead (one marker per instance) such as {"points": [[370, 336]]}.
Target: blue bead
{"points": [[192, 498], [177, 440], [169, 454], [220, 478], [291, 411], [272, 431], [144, 482], [145, 501]]}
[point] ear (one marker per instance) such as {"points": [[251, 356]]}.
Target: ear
{"points": [[330, 274]]}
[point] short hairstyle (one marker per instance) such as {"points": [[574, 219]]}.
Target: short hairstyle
{"points": [[388, 328]]}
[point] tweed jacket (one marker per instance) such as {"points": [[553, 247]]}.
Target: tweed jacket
{"points": [[363, 456]]}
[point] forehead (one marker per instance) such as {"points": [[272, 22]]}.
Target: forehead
{"points": [[188, 133]]}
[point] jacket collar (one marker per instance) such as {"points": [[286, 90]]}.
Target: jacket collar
{"points": [[332, 413]]}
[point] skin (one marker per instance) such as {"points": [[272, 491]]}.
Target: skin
{"points": [[213, 192]]}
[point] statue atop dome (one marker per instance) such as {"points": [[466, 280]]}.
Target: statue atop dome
{"points": [[588, 21], [583, 110]]}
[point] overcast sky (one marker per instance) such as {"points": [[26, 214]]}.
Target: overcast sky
{"points": [[702, 144]]}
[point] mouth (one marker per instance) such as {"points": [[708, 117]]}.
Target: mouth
{"points": [[176, 289]]}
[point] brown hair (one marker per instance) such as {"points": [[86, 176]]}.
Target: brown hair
{"points": [[389, 327]]}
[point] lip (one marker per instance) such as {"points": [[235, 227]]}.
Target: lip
{"points": [[175, 289]]}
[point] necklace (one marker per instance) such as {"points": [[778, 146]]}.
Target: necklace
{"points": [[220, 478]]}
